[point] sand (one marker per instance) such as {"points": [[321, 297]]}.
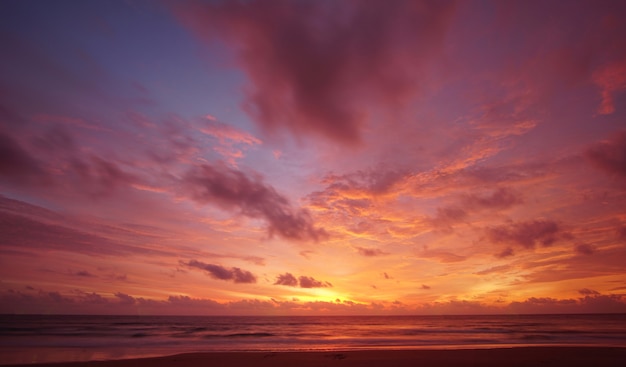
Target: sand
{"points": [[509, 357]]}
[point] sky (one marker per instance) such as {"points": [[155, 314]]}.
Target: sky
{"points": [[312, 157]]}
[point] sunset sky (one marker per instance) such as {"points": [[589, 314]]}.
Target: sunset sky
{"points": [[312, 157]]}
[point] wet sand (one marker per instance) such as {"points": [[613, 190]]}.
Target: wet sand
{"points": [[509, 357]]}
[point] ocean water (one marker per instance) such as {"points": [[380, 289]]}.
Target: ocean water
{"points": [[38, 338]]}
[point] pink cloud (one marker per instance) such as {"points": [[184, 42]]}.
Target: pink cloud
{"points": [[447, 216], [611, 79], [610, 155], [362, 184], [29, 227], [225, 132], [17, 165], [232, 141], [313, 78]]}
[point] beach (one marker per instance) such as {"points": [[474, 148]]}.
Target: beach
{"points": [[511, 357]]}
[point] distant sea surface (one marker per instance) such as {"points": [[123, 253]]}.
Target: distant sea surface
{"points": [[38, 338]]}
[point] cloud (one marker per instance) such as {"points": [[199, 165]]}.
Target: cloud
{"points": [[83, 273], [610, 155], [588, 292], [501, 198], [621, 233], [425, 287], [17, 165], [77, 302], [441, 255], [312, 76], [306, 254], [219, 272], [232, 141], [310, 282], [232, 189], [290, 280], [505, 253], [51, 158], [611, 78], [584, 249], [591, 303], [256, 260], [100, 177], [286, 279], [447, 216], [526, 234], [27, 226], [369, 182], [22, 232], [494, 269], [125, 298], [370, 252]]}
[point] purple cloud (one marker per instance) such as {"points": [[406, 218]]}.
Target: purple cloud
{"points": [[501, 198], [304, 77], [232, 189], [310, 282], [286, 279], [526, 234], [290, 280], [610, 155], [219, 272], [17, 165]]}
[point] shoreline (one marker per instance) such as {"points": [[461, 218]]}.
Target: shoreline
{"points": [[511, 357]]}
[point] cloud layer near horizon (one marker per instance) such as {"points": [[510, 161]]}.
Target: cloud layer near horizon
{"points": [[39, 302]]}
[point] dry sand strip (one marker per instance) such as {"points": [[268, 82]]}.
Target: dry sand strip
{"points": [[501, 357]]}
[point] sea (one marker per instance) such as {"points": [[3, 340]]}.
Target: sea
{"points": [[53, 338]]}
